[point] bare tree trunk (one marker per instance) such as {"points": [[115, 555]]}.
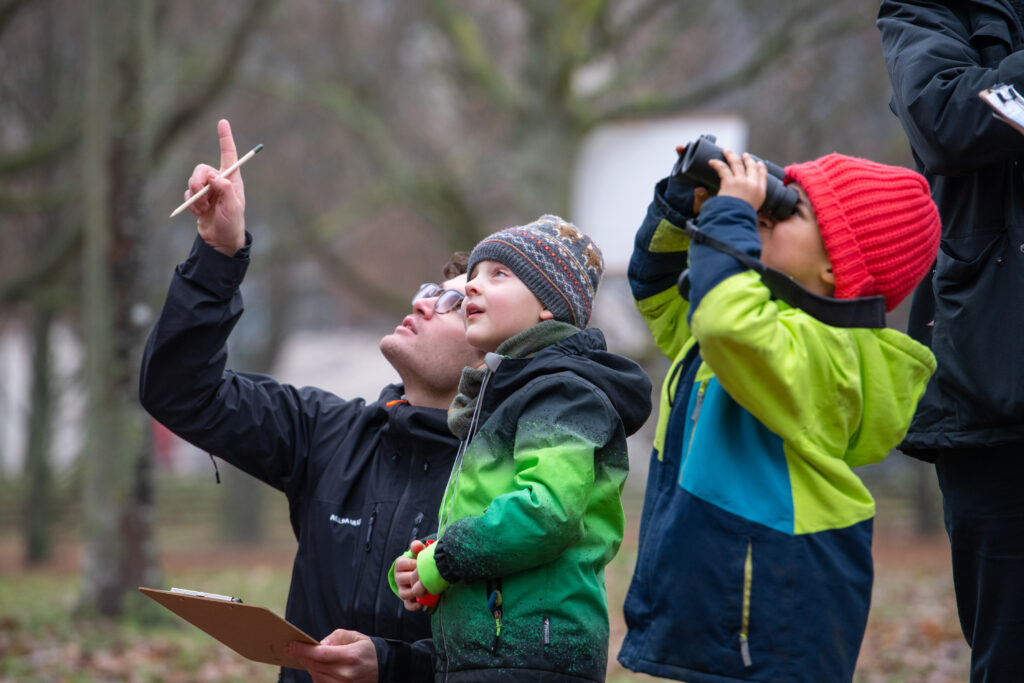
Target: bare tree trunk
{"points": [[102, 484], [119, 552], [37, 505]]}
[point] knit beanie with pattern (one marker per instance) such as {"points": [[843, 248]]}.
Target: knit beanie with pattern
{"points": [[557, 261], [880, 226]]}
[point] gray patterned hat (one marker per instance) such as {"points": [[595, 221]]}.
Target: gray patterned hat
{"points": [[557, 261]]}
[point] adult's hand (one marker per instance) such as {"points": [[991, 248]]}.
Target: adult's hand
{"points": [[221, 211], [341, 657]]}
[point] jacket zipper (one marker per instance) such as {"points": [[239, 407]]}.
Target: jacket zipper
{"points": [[492, 360], [395, 516], [416, 527], [369, 526], [415, 534], [748, 580], [362, 560], [696, 413], [494, 604]]}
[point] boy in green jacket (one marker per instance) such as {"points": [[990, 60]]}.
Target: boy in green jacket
{"points": [[754, 561], [532, 512]]}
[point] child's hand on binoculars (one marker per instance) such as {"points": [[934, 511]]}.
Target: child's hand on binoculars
{"points": [[742, 177]]}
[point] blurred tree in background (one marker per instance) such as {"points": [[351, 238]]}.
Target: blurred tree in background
{"points": [[395, 133]]}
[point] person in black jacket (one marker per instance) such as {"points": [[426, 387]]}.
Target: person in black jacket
{"points": [[362, 478], [970, 423]]}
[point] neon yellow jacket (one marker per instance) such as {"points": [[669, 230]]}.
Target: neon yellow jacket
{"points": [[755, 543]]}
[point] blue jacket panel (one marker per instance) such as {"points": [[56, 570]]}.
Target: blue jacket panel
{"points": [[786, 607]]}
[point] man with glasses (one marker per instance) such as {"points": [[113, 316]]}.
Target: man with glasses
{"points": [[362, 478]]}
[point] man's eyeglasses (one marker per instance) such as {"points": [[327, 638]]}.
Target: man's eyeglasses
{"points": [[447, 299]]}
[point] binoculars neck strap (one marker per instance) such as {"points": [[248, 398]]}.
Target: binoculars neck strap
{"points": [[860, 312]]}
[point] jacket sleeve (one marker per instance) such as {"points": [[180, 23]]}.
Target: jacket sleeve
{"points": [[542, 515], [937, 72], [660, 253], [252, 421], [775, 361], [402, 662]]}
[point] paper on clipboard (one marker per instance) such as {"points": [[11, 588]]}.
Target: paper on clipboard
{"points": [[254, 632], [1007, 103]]}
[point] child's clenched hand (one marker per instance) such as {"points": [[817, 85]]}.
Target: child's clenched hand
{"points": [[408, 579]]}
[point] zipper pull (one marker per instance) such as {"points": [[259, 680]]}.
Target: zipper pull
{"points": [[494, 605], [416, 526], [369, 526], [700, 401]]}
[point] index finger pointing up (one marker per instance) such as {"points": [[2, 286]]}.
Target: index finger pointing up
{"points": [[228, 153]]}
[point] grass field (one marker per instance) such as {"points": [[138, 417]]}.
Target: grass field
{"points": [[912, 636]]}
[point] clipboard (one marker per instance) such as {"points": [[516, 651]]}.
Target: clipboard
{"points": [[254, 632], [1007, 104]]}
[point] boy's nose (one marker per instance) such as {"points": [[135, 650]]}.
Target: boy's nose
{"points": [[765, 220]]}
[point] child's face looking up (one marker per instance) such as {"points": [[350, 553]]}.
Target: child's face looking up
{"points": [[794, 246], [498, 305]]}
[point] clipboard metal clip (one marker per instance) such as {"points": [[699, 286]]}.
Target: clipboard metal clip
{"points": [[1006, 102]]}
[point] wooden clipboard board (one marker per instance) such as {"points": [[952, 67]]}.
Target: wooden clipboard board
{"points": [[254, 632]]}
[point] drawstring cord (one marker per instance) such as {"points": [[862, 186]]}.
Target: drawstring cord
{"points": [[216, 472], [492, 361]]}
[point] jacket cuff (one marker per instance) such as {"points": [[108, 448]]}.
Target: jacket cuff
{"points": [[1011, 69], [398, 660], [213, 271], [427, 569]]}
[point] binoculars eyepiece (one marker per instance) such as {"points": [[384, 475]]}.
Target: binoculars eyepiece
{"points": [[780, 201]]}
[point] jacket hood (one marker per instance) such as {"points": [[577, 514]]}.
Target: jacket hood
{"points": [[586, 355]]}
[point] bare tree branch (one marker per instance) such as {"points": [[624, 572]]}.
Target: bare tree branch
{"points": [[473, 58], [433, 191], [192, 107], [24, 202], [47, 146], [9, 10], [46, 269], [786, 38]]}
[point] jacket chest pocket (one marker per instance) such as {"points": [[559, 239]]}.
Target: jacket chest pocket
{"points": [[353, 546]]}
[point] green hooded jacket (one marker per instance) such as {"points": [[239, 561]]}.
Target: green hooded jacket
{"points": [[532, 513]]}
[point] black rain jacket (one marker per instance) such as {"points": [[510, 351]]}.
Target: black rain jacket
{"points": [[940, 55], [362, 479]]}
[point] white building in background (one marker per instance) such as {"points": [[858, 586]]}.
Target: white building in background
{"points": [[613, 183], [346, 362], [618, 166]]}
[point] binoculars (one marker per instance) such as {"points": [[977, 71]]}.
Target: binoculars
{"points": [[780, 201]]}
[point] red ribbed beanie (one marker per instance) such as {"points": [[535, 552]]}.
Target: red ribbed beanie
{"points": [[879, 224]]}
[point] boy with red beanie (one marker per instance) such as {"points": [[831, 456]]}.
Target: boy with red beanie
{"points": [[755, 543]]}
